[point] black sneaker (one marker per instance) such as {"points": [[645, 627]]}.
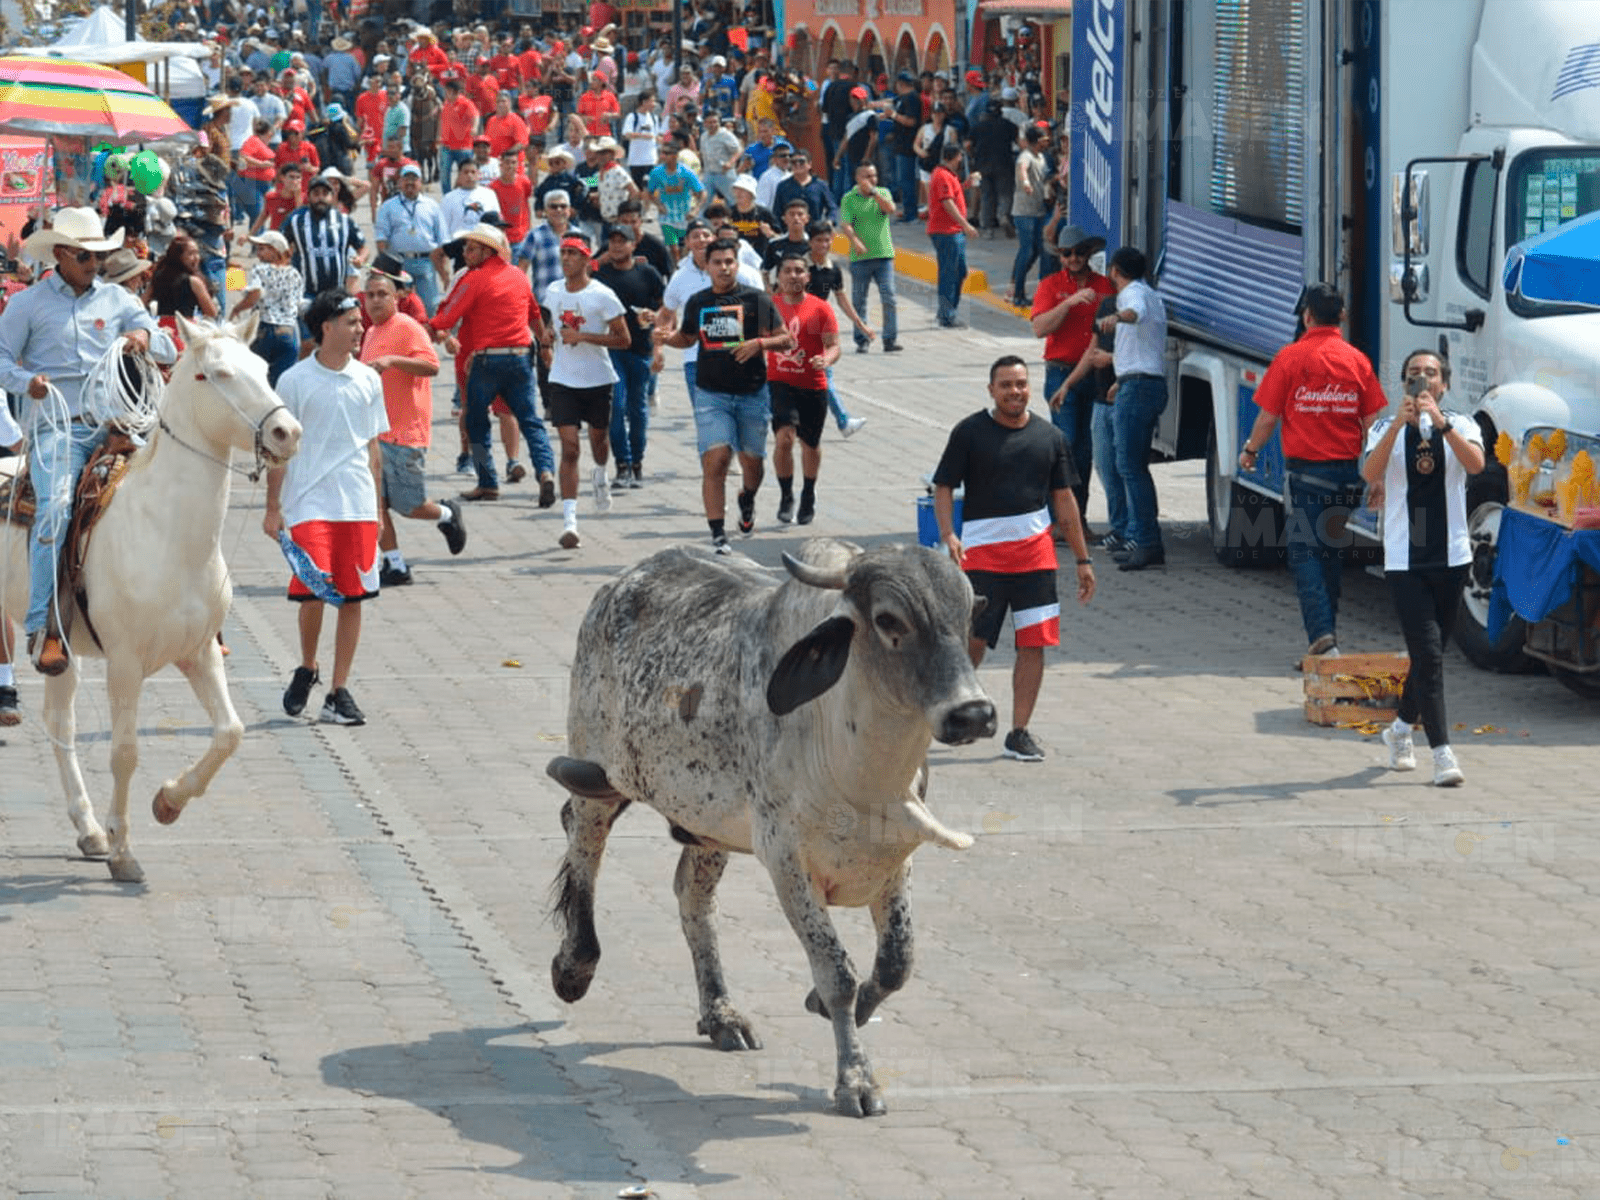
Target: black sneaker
{"points": [[389, 577], [340, 709], [463, 464], [637, 481], [747, 513], [890, 346], [10, 709], [454, 529], [808, 510], [624, 478], [786, 509], [1021, 746], [299, 690]]}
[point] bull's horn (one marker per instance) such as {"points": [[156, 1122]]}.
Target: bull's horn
{"points": [[814, 576]]}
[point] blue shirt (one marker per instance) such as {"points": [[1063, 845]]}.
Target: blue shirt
{"points": [[675, 189], [344, 72], [819, 199], [542, 247], [49, 329], [719, 95], [410, 227]]}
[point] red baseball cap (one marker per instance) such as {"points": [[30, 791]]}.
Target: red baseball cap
{"points": [[974, 78], [298, 126], [860, 93]]}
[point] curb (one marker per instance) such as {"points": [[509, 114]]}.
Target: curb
{"points": [[924, 268]]}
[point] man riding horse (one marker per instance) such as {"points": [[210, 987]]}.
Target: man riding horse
{"points": [[53, 335]]}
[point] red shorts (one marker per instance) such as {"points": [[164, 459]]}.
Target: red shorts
{"points": [[347, 549]]}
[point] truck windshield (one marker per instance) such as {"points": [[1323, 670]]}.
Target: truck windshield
{"points": [[1544, 190]]}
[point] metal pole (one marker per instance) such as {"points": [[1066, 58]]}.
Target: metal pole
{"points": [[963, 36], [130, 27], [677, 38]]}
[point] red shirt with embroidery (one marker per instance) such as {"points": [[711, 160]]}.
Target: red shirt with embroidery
{"points": [[1071, 338], [1324, 390]]}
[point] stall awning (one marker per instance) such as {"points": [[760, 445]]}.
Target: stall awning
{"points": [[1026, 8]]}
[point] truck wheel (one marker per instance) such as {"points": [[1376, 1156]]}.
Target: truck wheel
{"points": [[1586, 685], [1246, 527], [1485, 503]]}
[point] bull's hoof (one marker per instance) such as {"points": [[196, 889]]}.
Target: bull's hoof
{"points": [[859, 1100], [165, 810], [814, 1004], [94, 845], [126, 869], [729, 1029], [570, 981]]}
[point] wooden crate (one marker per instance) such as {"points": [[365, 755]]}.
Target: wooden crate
{"points": [[1353, 688]]}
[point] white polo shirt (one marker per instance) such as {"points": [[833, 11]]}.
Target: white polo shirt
{"points": [[1141, 347]]}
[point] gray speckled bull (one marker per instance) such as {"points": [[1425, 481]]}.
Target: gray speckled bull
{"points": [[790, 722]]}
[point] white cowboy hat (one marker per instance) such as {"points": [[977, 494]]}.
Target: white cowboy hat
{"points": [[601, 45], [606, 143], [341, 44], [77, 227], [271, 237]]}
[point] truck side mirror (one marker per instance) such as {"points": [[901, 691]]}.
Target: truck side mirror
{"points": [[1409, 215], [1408, 285]]}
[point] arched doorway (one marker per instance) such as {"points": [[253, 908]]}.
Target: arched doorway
{"points": [[869, 56], [905, 54], [936, 56]]}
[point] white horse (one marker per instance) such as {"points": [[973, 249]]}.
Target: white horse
{"points": [[156, 584]]}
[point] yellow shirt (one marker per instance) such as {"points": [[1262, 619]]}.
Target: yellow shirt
{"points": [[762, 105]]}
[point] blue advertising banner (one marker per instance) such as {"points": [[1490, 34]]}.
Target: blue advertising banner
{"points": [[1099, 110]]}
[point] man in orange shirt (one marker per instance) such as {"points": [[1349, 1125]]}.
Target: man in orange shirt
{"points": [[458, 121], [505, 128], [598, 107], [493, 303], [401, 351]]}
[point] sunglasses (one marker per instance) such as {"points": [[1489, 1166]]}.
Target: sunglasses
{"points": [[83, 256]]}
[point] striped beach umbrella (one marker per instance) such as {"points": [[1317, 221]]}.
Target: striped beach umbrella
{"points": [[42, 95]]}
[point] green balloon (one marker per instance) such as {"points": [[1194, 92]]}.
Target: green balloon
{"points": [[145, 171]]}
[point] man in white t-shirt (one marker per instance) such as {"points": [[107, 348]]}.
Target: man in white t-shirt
{"points": [[463, 206], [587, 322], [327, 495]]}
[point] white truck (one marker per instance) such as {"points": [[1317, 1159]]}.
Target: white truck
{"points": [[1396, 148]]}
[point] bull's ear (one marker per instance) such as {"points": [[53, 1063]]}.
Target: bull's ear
{"points": [[811, 666]]}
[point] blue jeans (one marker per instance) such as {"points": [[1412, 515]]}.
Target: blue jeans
{"points": [[509, 376], [950, 250], [1140, 402], [448, 161], [690, 370], [279, 345], [245, 195], [1320, 498], [840, 416], [55, 460], [215, 268], [630, 414], [905, 185], [1105, 464], [1075, 420], [1029, 247], [881, 272], [425, 280]]}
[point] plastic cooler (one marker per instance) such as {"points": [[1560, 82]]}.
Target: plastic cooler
{"points": [[928, 523]]}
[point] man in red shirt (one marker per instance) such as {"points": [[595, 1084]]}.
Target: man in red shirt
{"points": [[1063, 314], [1326, 395], [282, 200], [295, 148], [294, 96], [536, 109], [598, 106], [458, 122], [385, 173], [493, 303], [505, 129], [514, 193], [949, 229], [507, 71], [797, 381], [483, 87], [371, 106], [530, 63], [429, 54]]}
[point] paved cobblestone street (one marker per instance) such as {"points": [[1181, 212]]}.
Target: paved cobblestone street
{"points": [[1203, 950]]}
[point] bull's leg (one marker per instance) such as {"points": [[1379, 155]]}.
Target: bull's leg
{"points": [[588, 822], [855, 1091], [124, 681], [210, 685], [61, 727], [891, 916], [699, 872]]}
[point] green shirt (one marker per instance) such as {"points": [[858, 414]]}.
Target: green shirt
{"points": [[869, 221]]}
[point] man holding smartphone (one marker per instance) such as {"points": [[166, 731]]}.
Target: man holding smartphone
{"points": [[1326, 395]]}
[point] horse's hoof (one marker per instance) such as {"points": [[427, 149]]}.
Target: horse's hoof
{"points": [[94, 845], [165, 810], [571, 982], [126, 869]]}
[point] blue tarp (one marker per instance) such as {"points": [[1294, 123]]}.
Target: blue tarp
{"points": [[1533, 569], [1558, 267]]}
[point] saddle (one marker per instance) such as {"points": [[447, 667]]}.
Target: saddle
{"points": [[96, 485]]}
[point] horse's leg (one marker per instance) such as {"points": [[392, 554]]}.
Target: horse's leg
{"points": [[205, 675], [124, 682], [699, 872], [61, 727]]}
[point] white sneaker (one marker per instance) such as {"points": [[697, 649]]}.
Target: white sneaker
{"points": [[602, 490], [852, 425], [569, 534], [1446, 771], [1402, 751]]}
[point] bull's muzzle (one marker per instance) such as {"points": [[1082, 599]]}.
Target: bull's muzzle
{"points": [[967, 723]]}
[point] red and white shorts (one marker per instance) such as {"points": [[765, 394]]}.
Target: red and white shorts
{"points": [[346, 549]]}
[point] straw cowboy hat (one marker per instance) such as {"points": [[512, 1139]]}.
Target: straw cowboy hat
{"points": [[123, 265], [341, 44], [601, 45], [490, 236], [79, 228]]}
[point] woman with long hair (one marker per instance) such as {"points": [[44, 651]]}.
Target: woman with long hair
{"points": [[178, 288]]}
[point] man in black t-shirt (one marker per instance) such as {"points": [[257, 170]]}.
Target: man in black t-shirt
{"points": [[794, 241], [907, 120], [639, 286], [734, 326], [1018, 476]]}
